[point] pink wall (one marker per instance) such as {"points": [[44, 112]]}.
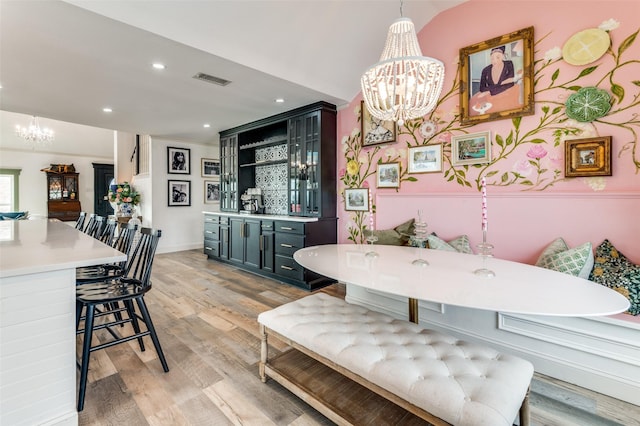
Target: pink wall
{"points": [[523, 218]]}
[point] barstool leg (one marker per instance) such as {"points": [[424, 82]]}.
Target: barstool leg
{"points": [[86, 353], [152, 331]]}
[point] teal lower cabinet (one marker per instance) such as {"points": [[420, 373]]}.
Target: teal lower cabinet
{"points": [[265, 246]]}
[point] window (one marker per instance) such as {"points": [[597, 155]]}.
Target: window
{"points": [[9, 190]]}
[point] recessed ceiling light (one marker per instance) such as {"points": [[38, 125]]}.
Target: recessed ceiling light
{"points": [[159, 66], [206, 126], [279, 100], [107, 109]]}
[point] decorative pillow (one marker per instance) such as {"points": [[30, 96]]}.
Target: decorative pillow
{"points": [[459, 244], [612, 269], [398, 236], [15, 215], [559, 257]]}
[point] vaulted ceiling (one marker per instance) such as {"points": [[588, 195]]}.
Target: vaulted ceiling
{"points": [[67, 60]]}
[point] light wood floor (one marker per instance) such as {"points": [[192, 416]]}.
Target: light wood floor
{"points": [[205, 314]]}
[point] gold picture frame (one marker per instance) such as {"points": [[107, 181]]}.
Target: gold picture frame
{"points": [[373, 130], [388, 175], [588, 157], [424, 159], [470, 149], [356, 199], [482, 98]]}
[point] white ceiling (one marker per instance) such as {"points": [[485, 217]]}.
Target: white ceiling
{"points": [[67, 60]]}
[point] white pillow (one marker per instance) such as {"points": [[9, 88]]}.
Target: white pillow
{"points": [[459, 244], [559, 257]]}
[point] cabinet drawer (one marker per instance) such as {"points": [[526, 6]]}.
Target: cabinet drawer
{"points": [[211, 231], [211, 219], [287, 267], [211, 248], [290, 227], [224, 220], [267, 225], [288, 244]]}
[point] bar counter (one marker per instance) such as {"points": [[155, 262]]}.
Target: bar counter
{"points": [[37, 318]]}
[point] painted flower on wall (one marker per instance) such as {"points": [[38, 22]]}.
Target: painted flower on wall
{"points": [[352, 167], [537, 152]]}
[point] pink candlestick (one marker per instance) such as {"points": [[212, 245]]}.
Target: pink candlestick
{"points": [[483, 186], [370, 210]]}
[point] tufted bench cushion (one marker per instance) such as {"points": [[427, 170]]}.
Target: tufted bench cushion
{"points": [[459, 382]]}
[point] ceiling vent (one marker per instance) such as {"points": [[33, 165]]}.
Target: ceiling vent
{"points": [[211, 79]]}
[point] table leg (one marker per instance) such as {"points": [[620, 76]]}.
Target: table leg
{"points": [[413, 310]]}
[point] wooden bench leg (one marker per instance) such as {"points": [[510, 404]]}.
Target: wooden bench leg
{"points": [[263, 352], [524, 410]]}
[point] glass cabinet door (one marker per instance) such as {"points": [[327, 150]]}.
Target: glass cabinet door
{"points": [[304, 165], [55, 187], [311, 157], [228, 173], [70, 188], [297, 167]]}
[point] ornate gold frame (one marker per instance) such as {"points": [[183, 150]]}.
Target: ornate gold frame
{"points": [[475, 110], [588, 157]]}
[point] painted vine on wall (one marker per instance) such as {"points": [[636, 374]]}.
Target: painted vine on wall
{"points": [[538, 137]]}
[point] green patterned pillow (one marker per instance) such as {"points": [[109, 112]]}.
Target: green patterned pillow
{"points": [[398, 236], [612, 269], [558, 256], [459, 244]]}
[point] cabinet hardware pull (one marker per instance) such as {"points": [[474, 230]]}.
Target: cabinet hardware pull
{"points": [[261, 242], [288, 268], [208, 232], [286, 228], [286, 245]]}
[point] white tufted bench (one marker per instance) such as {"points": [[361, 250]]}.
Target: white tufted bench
{"points": [[430, 375]]}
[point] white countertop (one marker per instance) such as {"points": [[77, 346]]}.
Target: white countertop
{"points": [[449, 279], [266, 216], [42, 245]]}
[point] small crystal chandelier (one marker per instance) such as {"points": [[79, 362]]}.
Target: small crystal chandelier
{"points": [[34, 133], [404, 84]]}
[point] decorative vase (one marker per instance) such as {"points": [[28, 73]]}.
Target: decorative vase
{"points": [[126, 209]]}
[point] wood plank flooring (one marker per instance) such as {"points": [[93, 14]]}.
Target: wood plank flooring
{"points": [[205, 314]]}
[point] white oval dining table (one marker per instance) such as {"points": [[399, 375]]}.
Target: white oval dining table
{"points": [[449, 278]]}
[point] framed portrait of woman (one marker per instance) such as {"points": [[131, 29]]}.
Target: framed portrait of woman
{"points": [[178, 160], [496, 78]]}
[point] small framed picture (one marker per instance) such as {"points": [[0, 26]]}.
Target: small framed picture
{"points": [[496, 78], [179, 193], [588, 157], [210, 167], [388, 175], [178, 160], [425, 159], [471, 149], [211, 192], [373, 130], [356, 199]]}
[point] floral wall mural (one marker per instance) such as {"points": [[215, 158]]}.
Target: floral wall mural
{"points": [[577, 95]]}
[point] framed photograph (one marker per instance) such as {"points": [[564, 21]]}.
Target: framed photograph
{"points": [[375, 131], [471, 149], [179, 193], [356, 199], [210, 167], [388, 175], [211, 192], [178, 160], [425, 159], [496, 78], [587, 157]]}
